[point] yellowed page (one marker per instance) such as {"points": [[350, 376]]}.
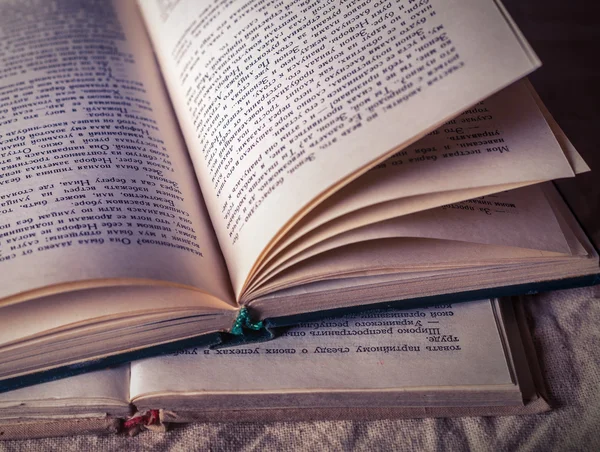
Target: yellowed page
{"points": [[72, 327], [280, 105], [520, 218], [95, 182], [439, 348], [402, 255], [511, 121], [407, 268], [76, 309], [66, 396], [576, 161], [363, 217], [513, 124]]}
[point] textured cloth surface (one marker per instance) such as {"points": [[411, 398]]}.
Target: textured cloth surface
{"points": [[565, 325]]}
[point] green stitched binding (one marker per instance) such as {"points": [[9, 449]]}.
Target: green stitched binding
{"points": [[243, 321]]}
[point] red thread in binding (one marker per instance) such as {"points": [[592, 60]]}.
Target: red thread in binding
{"points": [[150, 418]]}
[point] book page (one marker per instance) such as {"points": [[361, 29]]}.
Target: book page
{"points": [[510, 122], [442, 347], [403, 256], [75, 311], [575, 160], [521, 218], [93, 392], [95, 182], [282, 103], [369, 215]]}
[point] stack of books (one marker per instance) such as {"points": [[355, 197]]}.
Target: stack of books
{"points": [[190, 180]]}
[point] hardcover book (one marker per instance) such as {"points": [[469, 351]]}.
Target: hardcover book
{"points": [[175, 173], [468, 359]]}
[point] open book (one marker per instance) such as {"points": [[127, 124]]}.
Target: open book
{"points": [[174, 169], [467, 359]]}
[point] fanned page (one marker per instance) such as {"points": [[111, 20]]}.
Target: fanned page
{"points": [[507, 132], [396, 267], [96, 185], [282, 103], [65, 328], [423, 357], [521, 218]]}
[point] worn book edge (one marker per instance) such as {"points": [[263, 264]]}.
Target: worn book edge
{"points": [[271, 327], [20, 429]]}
